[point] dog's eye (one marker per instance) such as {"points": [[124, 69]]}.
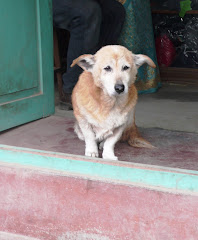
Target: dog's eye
{"points": [[108, 69], [124, 68]]}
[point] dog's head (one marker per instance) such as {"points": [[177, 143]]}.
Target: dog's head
{"points": [[114, 68]]}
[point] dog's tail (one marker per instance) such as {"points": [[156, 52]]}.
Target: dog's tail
{"points": [[139, 142], [134, 139]]}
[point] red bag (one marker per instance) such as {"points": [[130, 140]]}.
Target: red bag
{"points": [[165, 50]]}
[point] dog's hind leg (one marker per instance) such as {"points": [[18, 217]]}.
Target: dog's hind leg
{"points": [[78, 131], [101, 145], [91, 147]]}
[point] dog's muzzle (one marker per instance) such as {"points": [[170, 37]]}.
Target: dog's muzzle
{"points": [[119, 88]]}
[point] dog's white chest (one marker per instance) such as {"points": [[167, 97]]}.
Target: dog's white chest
{"points": [[114, 120]]}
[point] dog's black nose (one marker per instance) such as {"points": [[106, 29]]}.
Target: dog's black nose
{"points": [[119, 88]]}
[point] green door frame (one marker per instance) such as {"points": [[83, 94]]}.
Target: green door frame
{"points": [[26, 76]]}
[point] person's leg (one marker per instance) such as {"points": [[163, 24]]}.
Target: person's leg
{"points": [[113, 17], [83, 20]]}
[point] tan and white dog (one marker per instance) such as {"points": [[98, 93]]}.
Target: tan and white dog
{"points": [[104, 100]]}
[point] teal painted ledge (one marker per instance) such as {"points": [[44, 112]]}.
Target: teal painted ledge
{"points": [[141, 175]]}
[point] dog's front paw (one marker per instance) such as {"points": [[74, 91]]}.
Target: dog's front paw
{"points": [[89, 153], [109, 156]]}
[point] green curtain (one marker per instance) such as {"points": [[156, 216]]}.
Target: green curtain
{"points": [[137, 36]]}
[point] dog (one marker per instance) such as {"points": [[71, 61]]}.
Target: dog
{"points": [[104, 100]]}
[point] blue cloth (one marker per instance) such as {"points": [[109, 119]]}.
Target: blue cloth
{"points": [[137, 36]]}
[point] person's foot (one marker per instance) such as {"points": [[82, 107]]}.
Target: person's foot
{"points": [[66, 102]]}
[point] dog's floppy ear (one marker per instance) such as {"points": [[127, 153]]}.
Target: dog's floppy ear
{"points": [[85, 61], [140, 59]]}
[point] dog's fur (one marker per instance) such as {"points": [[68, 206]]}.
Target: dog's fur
{"points": [[103, 115]]}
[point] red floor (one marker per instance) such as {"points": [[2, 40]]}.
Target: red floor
{"points": [[173, 149], [53, 207]]}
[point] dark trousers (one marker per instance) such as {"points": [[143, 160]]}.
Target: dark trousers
{"points": [[92, 24]]}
